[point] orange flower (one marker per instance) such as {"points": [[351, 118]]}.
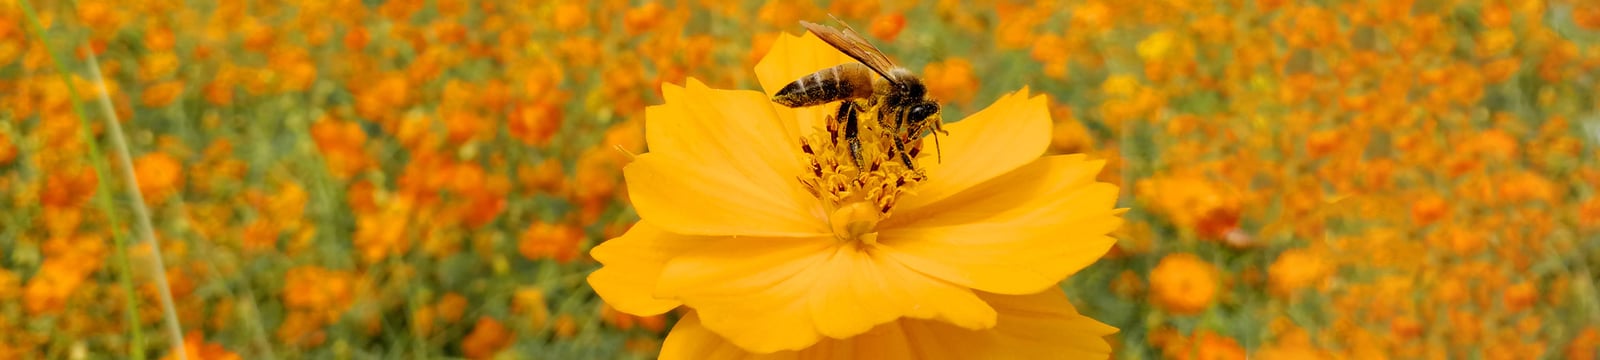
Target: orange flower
{"points": [[1193, 202], [1182, 283], [195, 347], [159, 175], [47, 291], [384, 234], [1297, 269], [1586, 345], [1521, 296], [822, 266], [324, 294], [1205, 345], [569, 16], [487, 338], [535, 123], [544, 240], [8, 149], [951, 80], [1587, 16], [341, 143], [161, 94], [888, 26], [548, 176], [1428, 210], [643, 18], [65, 188], [451, 306], [565, 327], [1589, 213]]}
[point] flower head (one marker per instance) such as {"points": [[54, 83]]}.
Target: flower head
{"points": [[757, 219]]}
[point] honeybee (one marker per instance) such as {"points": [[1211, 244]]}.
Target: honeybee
{"points": [[898, 96]]}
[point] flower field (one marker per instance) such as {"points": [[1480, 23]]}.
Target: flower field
{"points": [[1325, 179]]}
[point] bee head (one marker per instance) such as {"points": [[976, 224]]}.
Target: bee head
{"points": [[922, 111]]}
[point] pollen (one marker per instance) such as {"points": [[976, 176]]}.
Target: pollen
{"points": [[858, 190]]}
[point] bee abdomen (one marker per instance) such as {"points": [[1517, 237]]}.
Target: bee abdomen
{"points": [[843, 82]]}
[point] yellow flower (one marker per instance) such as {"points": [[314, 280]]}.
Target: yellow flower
{"points": [[968, 260]]}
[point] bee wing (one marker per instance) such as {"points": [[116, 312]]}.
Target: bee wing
{"points": [[852, 44]]}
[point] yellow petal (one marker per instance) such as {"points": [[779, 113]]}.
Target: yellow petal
{"points": [[753, 288], [781, 294], [861, 289], [721, 164], [1036, 326], [1008, 134], [1018, 233], [1036, 192], [631, 265], [791, 58]]}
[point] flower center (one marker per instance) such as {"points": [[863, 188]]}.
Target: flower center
{"points": [[858, 188]]}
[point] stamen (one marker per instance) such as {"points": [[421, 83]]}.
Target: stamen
{"points": [[858, 190]]}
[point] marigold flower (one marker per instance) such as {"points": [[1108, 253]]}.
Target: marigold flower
{"points": [[1521, 296], [324, 294], [1297, 269], [569, 16], [1204, 345], [1182, 283], [888, 26], [1429, 209], [8, 149], [951, 80], [159, 175], [836, 263], [545, 240], [161, 94], [1587, 343], [534, 123], [487, 338], [195, 347]]}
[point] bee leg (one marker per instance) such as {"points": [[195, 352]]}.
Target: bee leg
{"points": [[901, 137], [852, 130], [900, 147]]}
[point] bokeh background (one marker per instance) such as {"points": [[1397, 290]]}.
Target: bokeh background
{"points": [[377, 179]]}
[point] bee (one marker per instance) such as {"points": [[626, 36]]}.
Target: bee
{"points": [[898, 96]]}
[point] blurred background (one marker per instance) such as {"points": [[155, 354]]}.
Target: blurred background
{"points": [[377, 179]]}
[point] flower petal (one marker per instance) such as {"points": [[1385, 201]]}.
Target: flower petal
{"points": [[1016, 234], [1013, 131], [783, 294], [1036, 326], [791, 58], [1036, 192], [721, 164], [631, 265], [754, 288], [861, 289]]}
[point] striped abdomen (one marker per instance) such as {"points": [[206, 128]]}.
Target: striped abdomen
{"points": [[843, 82]]}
